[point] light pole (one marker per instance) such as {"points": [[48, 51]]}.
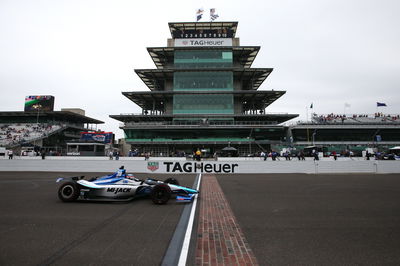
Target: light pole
{"points": [[313, 137], [249, 144], [37, 107]]}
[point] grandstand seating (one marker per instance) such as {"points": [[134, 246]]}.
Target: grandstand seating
{"points": [[14, 134], [377, 118]]}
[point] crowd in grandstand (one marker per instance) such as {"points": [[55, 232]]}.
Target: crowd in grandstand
{"points": [[355, 118], [24, 132]]}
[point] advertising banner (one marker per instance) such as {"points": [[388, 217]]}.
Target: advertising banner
{"points": [[103, 137], [203, 42], [179, 167]]}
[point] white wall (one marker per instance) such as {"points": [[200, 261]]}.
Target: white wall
{"points": [[180, 165]]}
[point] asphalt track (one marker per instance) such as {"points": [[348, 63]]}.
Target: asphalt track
{"points": [[36, 228], [301, 219], [288, 219]]}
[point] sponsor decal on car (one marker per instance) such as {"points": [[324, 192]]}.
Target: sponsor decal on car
{"points": [[152, 166], [118, 190]]}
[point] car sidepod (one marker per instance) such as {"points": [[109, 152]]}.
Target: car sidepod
{"points": [[94, 191]]}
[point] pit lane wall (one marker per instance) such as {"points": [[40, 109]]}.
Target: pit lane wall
{"points": [[168, 165]]}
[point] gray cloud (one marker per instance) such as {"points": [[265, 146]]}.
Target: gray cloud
{"points": [[84, 52]]}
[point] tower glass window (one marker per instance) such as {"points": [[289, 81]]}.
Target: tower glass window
{"points": [[203, 103], [200, 81], [203, 59]]}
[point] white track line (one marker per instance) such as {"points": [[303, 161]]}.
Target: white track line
{"points": [[188, 234]]}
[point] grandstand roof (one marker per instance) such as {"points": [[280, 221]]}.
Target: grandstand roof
{"points": [[252, 100], [56, 115], [252, 78], [245, 55]]}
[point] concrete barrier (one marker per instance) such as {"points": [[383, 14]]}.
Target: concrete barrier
{"points": [[178, 165]]}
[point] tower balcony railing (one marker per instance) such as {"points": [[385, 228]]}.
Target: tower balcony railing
{"points": [[200, 123]]}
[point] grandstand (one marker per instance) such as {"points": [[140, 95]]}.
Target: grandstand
{"points": [[44, 130], [377, 118], [343, 133]]}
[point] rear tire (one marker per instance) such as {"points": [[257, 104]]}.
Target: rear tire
{"points": [[68, 192], [172, 181], [161, 194]]}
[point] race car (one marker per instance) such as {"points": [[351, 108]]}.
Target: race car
{"points": [[121, 186]]}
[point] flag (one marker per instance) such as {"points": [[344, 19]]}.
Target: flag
{"points": [[213, 15], [311, 106], [347, 105], [199, 14], [378, 104]]}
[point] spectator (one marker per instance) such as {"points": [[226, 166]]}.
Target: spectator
{"points": [[316, 157], [274, 155], [198, 155]]}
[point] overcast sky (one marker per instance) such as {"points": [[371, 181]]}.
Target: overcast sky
{"points": [[83, 52]]}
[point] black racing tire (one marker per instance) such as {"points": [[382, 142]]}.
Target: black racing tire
{"points": [[68, 191], [161, 194], [172, 181]]}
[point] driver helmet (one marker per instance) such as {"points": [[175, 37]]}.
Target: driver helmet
{"points": [[121, 172], [130, 176]]}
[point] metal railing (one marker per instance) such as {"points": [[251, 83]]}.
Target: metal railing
{"points": [[198, 124]]}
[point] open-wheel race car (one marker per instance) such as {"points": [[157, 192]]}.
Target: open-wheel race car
{"points": [[121, 186]]}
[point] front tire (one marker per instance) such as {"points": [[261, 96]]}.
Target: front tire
{"points": [[161, 194], [68, 192]]}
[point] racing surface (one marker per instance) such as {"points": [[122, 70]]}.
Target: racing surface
{"points": [[299, 219], [36, 228]]}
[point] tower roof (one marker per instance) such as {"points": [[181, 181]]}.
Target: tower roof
{"points": [[251, 100], [252, 78], [258, 118], [179, 28], [162, 55]]}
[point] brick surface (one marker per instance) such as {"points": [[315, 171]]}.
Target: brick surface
{"points": [[220, 241]]}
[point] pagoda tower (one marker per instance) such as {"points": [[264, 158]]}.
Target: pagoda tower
{"points": [[203, 95]]}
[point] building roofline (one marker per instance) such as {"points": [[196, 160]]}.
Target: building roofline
{"points": [[161, 55], [154, 78], [217, 25], [62, 115], [251, 100], [280, 118]]}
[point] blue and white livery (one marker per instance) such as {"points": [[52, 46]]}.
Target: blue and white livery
{"points": [[121, 186]]}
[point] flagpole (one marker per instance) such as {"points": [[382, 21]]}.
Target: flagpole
{"points": [[306, 113]]}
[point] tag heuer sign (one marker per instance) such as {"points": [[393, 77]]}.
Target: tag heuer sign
{"points": [[203, 42], [152, 166]]}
